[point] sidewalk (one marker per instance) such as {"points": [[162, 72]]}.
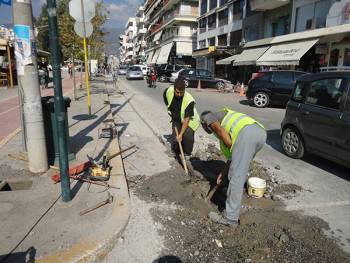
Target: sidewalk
{"points": [[9, 107], [53, 231]]}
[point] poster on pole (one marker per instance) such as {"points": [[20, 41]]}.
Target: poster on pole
{"points": [[23, 47]]}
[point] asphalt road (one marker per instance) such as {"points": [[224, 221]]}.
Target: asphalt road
{"points": [[326, 185]]}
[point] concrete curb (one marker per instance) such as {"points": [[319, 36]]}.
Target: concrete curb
{"points": [[94, 250]]}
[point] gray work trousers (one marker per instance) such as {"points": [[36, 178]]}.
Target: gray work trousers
{"points": [[250, 140]]}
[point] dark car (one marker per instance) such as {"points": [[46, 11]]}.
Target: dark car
{"points": [[272, 87], [164, 71], [317, 118], [191, 78]]}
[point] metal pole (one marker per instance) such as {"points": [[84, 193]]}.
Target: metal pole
{"points": [[60, 114], [86, 59], [28, 74], [74, 84], [10, 64]]}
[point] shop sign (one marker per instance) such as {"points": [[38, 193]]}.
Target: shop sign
{"points": [[321, 49], [211, 48]]}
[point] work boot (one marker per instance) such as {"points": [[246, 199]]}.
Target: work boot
{"points": [[220, 219]]}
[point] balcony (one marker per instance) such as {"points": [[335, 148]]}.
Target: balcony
{"points": [[142, 31], [259, 5], [186, 16]]}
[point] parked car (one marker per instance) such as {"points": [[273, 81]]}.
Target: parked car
{"points": [[164, 71], [317, 118], [144, 69], [175, 75], [191, 78], [122, 70], [272, 87], [134, 72]]}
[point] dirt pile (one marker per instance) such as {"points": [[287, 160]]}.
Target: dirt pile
{"points": [[266, 233]]}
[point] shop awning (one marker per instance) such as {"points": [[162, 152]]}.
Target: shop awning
{"points": [[157, 36], [164, 53], [249, 56], [286, 54], [226, 61], [184, 48], [155, 56], [150, 56]]}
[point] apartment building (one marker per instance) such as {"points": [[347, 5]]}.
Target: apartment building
{"points": [[130, 33], [290, 34], [122, 48], [171, 33], [139, 40]]}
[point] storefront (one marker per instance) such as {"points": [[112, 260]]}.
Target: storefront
{"points": [[7, 65]]}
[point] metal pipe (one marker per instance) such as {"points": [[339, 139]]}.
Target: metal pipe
{"points": [[60, 114], [28, 76]]}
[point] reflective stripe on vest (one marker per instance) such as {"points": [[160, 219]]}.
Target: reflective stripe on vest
{"points": [[186, 100], [234, 122]]}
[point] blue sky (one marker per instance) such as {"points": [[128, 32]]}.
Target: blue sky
{"points": [[120, 10]]}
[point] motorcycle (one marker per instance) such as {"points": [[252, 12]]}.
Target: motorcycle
{"points": [[151, 80], [43, 79]]}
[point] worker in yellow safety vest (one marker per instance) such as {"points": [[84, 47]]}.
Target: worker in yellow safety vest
{"points": [[241, 137], [184, 116]]}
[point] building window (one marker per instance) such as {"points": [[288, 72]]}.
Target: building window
{"points": [[222, 40], [280, 26], [312, 16], [238, 10], [223, 17], [222, 2], [235, 38], [212, 4], [201, 44], [212, 21], [211, 41], [202, 24], [204, 6]]}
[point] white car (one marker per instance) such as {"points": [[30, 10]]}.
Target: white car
{"points": [[144, 69], [174, 76]]}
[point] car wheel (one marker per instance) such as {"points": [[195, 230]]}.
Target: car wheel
{"points": [[162, 78], [186, 83], [220, 85], [292, 143], [261, 99]]}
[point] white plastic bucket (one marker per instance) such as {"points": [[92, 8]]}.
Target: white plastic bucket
{"points": [[256, 187]]}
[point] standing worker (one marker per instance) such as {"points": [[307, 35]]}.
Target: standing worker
{"points": [[184, 116], [241, 137]]}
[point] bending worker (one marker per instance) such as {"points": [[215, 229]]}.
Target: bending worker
{"points": [[184, 116], [241, 137]]}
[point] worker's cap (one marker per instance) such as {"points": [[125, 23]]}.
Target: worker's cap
{"points": [[205, 121]]}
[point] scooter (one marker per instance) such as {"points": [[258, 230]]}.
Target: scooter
{"points": [[151, 80], [42, 79]]}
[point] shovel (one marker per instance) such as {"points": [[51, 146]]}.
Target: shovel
{"points": [[183, 160]]}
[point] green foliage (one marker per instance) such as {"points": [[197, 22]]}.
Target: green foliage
{"points": [[68, 38]]}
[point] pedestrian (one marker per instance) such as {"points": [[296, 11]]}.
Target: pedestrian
{"points": [[70, 69], [184, 116], [241, 137]]}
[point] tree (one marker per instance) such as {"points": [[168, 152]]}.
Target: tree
{"points": [[67, 35]]}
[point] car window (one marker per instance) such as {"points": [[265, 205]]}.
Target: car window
{"points": [[170, 67], [191, 72], [163, 67], [135, 69], [177, 68], [203, 73], [347, 106], [265, 76], [300, 91], [326, 93], [298, 75], [285, 78]]}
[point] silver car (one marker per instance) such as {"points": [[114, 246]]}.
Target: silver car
{"points": [[122, 70], [134, 72]]}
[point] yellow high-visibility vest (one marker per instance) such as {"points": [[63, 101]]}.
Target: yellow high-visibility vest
{"points": [[187, 99], [233, 123]]}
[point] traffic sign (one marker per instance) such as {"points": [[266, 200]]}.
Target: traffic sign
{"points": [[79, 29], [75, 10]]}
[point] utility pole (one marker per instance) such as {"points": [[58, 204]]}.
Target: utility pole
{"points": [[74, 84], [59, 103], [27, 72]]}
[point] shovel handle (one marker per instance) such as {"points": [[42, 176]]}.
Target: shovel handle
{"points": [[181, 152]]}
